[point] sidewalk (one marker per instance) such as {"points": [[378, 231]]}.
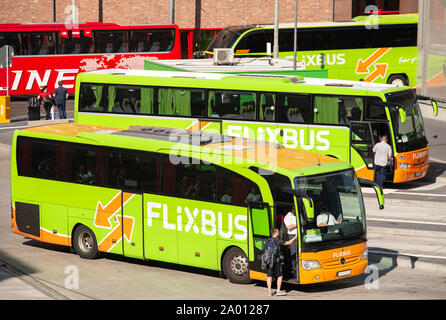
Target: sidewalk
{"points": [[13, 288]]}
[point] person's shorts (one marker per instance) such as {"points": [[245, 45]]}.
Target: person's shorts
{"points": [[275, 270]]}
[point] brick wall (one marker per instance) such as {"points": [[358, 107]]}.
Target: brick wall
{"points": [[211, 13]]}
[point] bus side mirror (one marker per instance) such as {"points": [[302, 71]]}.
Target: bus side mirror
{"points": [[435, 107], [309, 207], [377, 188], [402, 113]]}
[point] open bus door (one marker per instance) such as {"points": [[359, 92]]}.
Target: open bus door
{"points": [[361, 139], [259, 215]]}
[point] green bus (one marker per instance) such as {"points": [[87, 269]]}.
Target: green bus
{"points": [[381, 49], [341, 119], [178, 196]]}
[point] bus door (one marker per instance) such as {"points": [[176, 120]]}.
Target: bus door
{"points": [[260, 228], [361, 140], [131, 220], [379, 129]]}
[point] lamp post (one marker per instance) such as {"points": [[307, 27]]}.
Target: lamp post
{"points": [[276, 31], [295, 39]]}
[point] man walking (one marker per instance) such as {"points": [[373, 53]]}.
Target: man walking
{"points": [[60, 96], [383, 155]]}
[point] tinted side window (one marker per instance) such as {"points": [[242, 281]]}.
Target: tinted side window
{"points": [[375, 111], [236, 190], [255, 41], [71, 44], [133, 171], [92, 97], [293, 108], [37, 43], [111, 41], [337, 109], [190, 179], [87, 164], [124, 99], [232, 105], [42, 158]]}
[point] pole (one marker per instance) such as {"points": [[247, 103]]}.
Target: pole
{"points": [[74, 11], [7, 70], [295, 38], [171, 11], [54, 11], [100, 9], [276, 31]]}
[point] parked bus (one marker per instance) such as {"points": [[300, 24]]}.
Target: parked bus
{"points": [[341, 119], [47, 53], [185, 197], [381, 49]]}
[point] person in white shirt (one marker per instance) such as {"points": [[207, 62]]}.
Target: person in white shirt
{"points": [[383, 154], [227, 196], [253, 196], [291, 225], [325, 218]]}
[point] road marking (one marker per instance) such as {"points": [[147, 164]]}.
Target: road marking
{"points": [[437, 160], [406, 254], [422, 194], [407, 221]]}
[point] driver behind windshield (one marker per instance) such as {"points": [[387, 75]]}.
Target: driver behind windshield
{"points": [[325, 218]]}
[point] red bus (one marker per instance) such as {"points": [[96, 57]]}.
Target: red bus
{"points": [[47, 53]]}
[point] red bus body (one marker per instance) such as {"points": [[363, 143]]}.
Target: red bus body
{"points": [[30, 70]]}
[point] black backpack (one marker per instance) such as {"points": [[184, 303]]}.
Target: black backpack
{"points": [[271, 253]]}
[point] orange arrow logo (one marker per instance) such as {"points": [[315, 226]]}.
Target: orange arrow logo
{"points": [[380, 71], [104, 213], [103, 218], [116, 234], [363, 66]]}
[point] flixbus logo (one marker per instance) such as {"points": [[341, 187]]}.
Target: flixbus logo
{"points": [[202, 221], [291, 137]]}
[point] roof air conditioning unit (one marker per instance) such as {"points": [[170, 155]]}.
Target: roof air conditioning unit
{"points": [[223, 56]]}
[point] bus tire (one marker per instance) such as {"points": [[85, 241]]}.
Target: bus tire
{"points": [[235, 266], [398, 80], [84, 243]]}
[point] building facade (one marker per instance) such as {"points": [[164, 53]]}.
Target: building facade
{"points": [[196, 13]]}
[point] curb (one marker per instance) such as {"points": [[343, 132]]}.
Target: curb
{"points": [[408, 261], [368, 199]]}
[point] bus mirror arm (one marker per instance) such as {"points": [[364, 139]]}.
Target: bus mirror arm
{"points": [[306, 201], [433, 102], [377, 188]]}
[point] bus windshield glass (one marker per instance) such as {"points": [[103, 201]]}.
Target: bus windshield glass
{"points": [[225, 38], [339, 209], [409, 135]]}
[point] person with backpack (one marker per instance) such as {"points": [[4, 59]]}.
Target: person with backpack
{"points": [[272, 260]]}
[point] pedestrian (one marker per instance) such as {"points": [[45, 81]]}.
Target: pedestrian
{"points": [[60, 96], [383, 156], [291, 225], [47, 101], [273, 260]]}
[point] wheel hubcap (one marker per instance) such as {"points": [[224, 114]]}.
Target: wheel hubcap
{"points": [[398, 82], [239, 265], [85, 242]]}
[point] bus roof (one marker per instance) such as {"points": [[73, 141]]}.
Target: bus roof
{"points": [[265, 155], [357, 21], [234, 81]]}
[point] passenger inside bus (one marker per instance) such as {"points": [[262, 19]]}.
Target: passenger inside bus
{"points": [[325, 218], [77, 48], [109, 48], [141, 47]]}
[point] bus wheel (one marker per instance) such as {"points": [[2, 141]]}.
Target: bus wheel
{"points": [[84, 243], [398, 80], [235, 266]]}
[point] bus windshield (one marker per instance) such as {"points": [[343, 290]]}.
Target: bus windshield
{"points": [[339, 208], [409, 135], [226, 38]]}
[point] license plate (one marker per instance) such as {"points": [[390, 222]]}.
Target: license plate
{"points": [[344, 273], [417, 174]]}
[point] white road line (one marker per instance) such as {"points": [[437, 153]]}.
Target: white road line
{"points": [[406, 254], [422, 194], [407, 221], [437, 160]]}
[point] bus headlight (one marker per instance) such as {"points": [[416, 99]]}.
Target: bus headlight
{"points": [[365, 254], [310, 264], [404, 165]]}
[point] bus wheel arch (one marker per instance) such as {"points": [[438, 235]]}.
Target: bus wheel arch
{"points": [[234, 264], [400, 79], [84, 242]]}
